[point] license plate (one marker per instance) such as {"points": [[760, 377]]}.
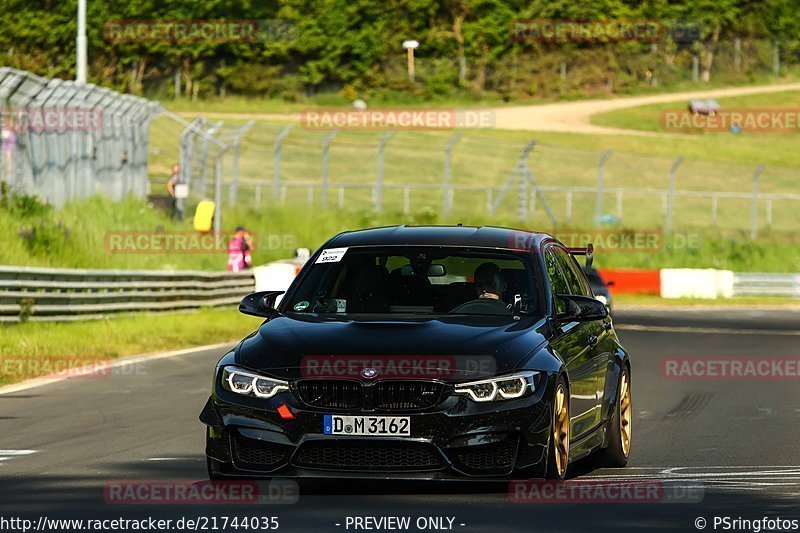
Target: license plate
{"points": [[367, 425]]}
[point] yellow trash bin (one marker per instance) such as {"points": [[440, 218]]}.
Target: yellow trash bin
{"points": [[204, 216]]}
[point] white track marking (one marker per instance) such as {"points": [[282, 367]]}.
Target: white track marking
{"points": [[174, 459], [8, 453], [39, 382]]}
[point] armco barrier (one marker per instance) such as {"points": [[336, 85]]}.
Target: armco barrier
{"points": [[58, 294], [754, 284]]}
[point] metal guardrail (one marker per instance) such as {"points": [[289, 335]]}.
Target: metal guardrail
{"points": [[56, 294], [766, 285]]}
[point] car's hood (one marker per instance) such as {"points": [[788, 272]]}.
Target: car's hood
{"points": [[298, 346]]}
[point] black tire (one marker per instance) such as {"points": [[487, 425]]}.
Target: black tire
{"points": [[554, 447], [616, 455]]}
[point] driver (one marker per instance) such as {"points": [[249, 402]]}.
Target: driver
{"points": [[490, 286]]}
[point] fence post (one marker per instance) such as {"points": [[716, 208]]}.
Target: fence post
{"points": [[326, 143], [673, 177], [568, 208], [714, 210], [237, 137], [448, 189], [695, 68], [769, 212], [276, 173], [406, 201], [754, 207], [185, 151], [601, 166], [204, 157], [341, 198], [258, 195], [218, 189], [519, 173], [379, 182], [737, 54], [776, 59]]}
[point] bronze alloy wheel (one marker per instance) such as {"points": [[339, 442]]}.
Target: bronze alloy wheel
{"points": [[561, 430], [625, 413]]}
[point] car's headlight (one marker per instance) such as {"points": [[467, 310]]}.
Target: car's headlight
{"points": [[601, 298], [499, 388], [248, 384]]}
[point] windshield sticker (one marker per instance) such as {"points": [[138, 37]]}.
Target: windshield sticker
{"points": [[301, 306], [331, 255], [341, 305]]}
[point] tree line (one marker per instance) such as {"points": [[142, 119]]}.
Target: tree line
{"points": [[297, 49]]}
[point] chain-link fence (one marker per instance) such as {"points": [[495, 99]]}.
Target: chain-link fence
{"points": [[62, 140], [481, 174]]}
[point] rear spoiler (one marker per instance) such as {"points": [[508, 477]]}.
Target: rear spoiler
{"points": [[588, 252]]}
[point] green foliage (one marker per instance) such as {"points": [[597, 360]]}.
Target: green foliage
{"points": [[331, 44]]}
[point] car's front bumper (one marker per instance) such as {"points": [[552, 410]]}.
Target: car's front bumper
{"points": [[457, 439]]}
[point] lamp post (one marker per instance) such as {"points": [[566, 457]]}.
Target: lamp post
{"points": [[80, 44], [410, 46]]}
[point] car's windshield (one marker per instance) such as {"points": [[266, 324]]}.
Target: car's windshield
{"points": [[418, 280]]}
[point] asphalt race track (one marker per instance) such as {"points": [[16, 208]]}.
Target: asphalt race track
{"points": [[734, 443]]}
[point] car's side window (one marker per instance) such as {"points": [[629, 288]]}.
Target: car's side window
{"points": [[575, 279], [558, 283]]}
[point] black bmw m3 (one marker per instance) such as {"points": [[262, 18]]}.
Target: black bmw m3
{"points": [[424, 353]]}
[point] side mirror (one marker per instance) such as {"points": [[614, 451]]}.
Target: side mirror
{"points": [[260, 303], [581, 309]]}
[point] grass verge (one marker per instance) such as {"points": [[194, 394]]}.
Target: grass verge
{"points": [[36, 349], [76, 236]]}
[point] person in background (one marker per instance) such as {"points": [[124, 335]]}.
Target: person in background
{"points": [[239, 250], [178, 202]]}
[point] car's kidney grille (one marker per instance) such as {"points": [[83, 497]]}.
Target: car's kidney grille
{"points": [[401, 395], [360, 455], [331, 393], [388, 395]]}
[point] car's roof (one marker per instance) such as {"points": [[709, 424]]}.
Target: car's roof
{"points": [[473, 236]]}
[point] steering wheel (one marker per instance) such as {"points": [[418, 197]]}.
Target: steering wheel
{"points": [[482, 306]]}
